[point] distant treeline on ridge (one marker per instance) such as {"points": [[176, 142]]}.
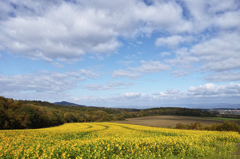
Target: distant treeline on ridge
{"points": [[21, 114]]}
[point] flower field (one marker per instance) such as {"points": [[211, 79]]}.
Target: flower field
{"points": [[111, 140]]}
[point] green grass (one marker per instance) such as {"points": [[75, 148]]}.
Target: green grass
{"points": [[218, 118]]}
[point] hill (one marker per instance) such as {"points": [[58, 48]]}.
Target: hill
{"points": [[68, 104]]}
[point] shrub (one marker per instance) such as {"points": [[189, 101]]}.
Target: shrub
{"points": [[180, 126], [229, 126], [226, 126]]}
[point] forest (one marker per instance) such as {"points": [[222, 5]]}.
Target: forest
{"points": [[21, 114]]}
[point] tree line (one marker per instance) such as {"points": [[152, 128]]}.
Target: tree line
{"points": [[226, 126], [20, 114]]}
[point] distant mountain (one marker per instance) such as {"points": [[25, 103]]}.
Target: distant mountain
{"points": [[221, 106], [68, 104], [226, 106]]}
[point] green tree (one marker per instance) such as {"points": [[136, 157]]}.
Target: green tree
{"points": [[69, 117], [3, 118], [34, 117]]}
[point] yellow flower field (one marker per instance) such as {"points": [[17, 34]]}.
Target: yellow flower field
{"points": [[111, 140]]}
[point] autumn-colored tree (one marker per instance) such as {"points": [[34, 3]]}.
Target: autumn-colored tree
{"points": [[69, 117]]}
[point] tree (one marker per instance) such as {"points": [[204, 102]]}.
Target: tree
{"points": [[3, 118], [69, 117], [34, 117]]}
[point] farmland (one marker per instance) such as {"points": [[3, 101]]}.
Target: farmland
{"points": [[115, 140], [171, 121]]}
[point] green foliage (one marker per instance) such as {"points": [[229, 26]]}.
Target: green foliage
{"points": [[34, 117], [230, 126], [176, 111], [226, 126], [69, 117], [17, 115], [3, 117], [180, 126]]}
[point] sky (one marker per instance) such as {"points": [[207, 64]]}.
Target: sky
{"points": [[121, 53]]}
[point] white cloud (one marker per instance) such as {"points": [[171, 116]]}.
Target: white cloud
{"points": [[171, 91], [228, 20], [65, 32], [123, 100], [56, 64], [132, 95], [203, 95], [217, 7], [98, 57], [118, 84], [172, 41], [5, 9], [139, 42], [13, 8], [146, 67], [60, 30], [111, 85], [179, 73], [184, 59], [223, 77], [164, 54], [223, 44], [97, 87], [83, 72], [220, 53], [125, 62], [88, 73], [43, 81], [168, 94], [39, 82], [206, 14], [151, 67], [225, 14], [1, 47], [211, 90], [125, 73], [224, 65], [208, 91]]}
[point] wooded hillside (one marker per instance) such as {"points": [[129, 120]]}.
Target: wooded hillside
{"points": [[19, 114]]}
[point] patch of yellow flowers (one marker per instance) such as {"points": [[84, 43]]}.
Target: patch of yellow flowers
{"points": [[111, 140]]}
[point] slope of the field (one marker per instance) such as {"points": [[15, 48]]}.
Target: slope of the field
{"points": [[171, 121], [112, 140]]}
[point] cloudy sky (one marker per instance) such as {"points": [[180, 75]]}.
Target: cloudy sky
{"points": [[121, 53]]}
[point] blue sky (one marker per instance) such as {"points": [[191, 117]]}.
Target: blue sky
{"points": [[121, 53]]}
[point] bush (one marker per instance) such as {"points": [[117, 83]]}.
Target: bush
{"points": [[180, 126], [229, 126], [226, 126]]}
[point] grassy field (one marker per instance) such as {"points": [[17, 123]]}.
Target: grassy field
{"points": [[171, 121], [113, 140], [230, 119]]}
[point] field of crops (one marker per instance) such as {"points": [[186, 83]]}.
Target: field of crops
{"points": [[173, 120], [113, 140]]}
